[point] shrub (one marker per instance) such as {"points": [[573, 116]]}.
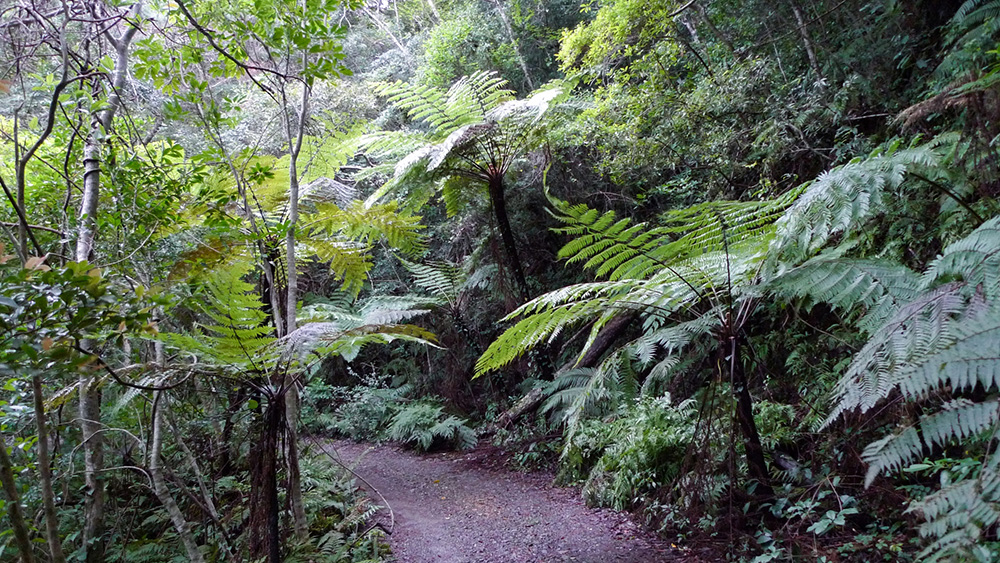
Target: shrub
{"points": [[424, 424]]}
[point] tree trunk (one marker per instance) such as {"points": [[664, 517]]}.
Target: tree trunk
{"points": [[497, 199], [434, 10], [744, 417], [291, 395], [93, 461], [21, 536], [90, 396], [45, 475], [181, 526], [513, 43], [265, 535], [807, 43]]}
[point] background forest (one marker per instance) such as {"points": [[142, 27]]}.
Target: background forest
{"points": [[731, 265]]}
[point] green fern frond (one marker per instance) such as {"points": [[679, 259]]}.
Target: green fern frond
{"points": [[240, 337], [970, 357], [350, 261], [442, 279], [369, 224], [975, 260], [423, 422], [843, 199], [332, 338], [958, 518], [956, 420], [870, 289], [914, 332]]}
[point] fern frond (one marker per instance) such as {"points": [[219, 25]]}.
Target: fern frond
{"points": [[915, 331], [442, 279], [958, 518], [841, 200], [957, 420], [970, 357], [241, 338], [975, 260], [332, 338], [872, 289]]}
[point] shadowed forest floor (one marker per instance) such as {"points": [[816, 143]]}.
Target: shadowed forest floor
{"points": [[463, 508]]}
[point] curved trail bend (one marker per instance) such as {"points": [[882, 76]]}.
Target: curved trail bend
{"points": [[454, 508]]}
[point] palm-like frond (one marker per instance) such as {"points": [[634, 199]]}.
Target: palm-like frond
{"points": [[477, 128], [344, 236], [238, 337], [443, 280], [618, 249], [870, 289], [845, 198], [344, 331], [951, 299], [957, 518], [467, 102]]}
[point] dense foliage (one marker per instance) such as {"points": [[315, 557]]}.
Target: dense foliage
{"points": [[733, 266]]}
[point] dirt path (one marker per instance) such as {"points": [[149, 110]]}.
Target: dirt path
{"points": [[456, 508]]}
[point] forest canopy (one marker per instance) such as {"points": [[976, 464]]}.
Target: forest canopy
{"points": [[732, 266]]}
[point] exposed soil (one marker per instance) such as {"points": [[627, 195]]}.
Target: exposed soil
{"points": [[464, 508]]}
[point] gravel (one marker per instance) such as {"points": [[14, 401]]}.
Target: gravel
{"points": [[465, 508]]}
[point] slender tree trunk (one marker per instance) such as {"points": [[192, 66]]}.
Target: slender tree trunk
{"points": [[715, 31], [434, 10], [807, 42], [514, 44], [22, 537], [45, 475], [744, 417], [497, 199], [385, 29], [206, 495], [93, 461], [90, 396], [291, 396], [181, 526]]}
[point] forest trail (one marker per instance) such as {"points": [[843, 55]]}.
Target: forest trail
{"points": [[462, 508]]}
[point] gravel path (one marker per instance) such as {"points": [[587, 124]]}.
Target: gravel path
{"points": [[462, 508]]}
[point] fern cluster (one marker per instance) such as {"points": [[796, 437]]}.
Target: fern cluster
{"points": [[422, 423], [932, 334]]}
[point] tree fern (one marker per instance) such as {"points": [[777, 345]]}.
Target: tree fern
{"points": [[238, 337], [845, 198], [930, 335]]}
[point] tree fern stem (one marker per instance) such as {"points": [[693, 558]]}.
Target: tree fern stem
{"points": [[496, 189], [744, 416], [944, 190]]}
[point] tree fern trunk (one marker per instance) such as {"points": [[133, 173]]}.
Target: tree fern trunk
{"points": [[497, 199], [744, 416], [265, 535]]}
